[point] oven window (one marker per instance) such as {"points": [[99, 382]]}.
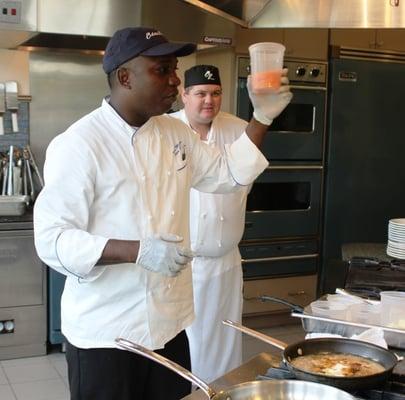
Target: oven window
{"points": [[296, 118], [279, 196]]}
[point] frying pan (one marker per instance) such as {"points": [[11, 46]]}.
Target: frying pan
{"points": [[258, 390], [332, 345]]}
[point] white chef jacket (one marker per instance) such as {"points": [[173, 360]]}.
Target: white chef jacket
{"points": [[216, 227], [103, 181], [217, 221]]}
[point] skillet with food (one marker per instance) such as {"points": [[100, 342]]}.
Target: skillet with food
{"points": [[258, 390], [343, 363]]}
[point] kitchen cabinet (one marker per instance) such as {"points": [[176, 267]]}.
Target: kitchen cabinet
{"points": [[300, 43], [390, 39], [245, 37], [379, 39], [299, 290], [306, 43], [23, 301]]}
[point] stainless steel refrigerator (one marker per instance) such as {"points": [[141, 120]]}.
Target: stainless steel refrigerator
{"points": [[365, 155]]}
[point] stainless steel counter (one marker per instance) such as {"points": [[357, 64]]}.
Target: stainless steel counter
{"points": [[246, 372]]}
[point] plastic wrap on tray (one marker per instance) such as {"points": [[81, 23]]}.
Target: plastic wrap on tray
{"points": [[346, 328]]}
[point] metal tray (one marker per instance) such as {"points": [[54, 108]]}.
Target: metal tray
{"points": [[394, 337], [13, 205]]}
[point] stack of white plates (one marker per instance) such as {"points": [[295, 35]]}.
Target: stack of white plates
{"points": [[396, 238]]}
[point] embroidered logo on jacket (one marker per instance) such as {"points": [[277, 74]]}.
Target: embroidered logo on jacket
{"points": [[179, 150]]}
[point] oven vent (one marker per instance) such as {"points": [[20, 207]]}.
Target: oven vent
{"points": [[368, 54]]}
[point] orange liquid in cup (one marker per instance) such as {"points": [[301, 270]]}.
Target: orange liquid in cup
{"points": [[266, 80]]}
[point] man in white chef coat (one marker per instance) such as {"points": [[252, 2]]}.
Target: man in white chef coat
{"points": [[216, 227], [113, 217]]}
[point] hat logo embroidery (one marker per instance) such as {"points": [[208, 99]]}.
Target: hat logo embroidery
{"points": [[209, 75], [151, 34]]}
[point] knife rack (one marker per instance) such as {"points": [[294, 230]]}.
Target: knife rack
{"points": [[20, 138]]}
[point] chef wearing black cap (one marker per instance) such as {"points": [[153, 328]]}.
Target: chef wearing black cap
{"points": [[113, 217], [216, 228]]}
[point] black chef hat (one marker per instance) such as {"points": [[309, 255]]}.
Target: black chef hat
{"points": [[128, 43], [202, 75]]}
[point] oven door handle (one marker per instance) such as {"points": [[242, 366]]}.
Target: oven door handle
{"points": [[281, 258], [294, 167], [302, 87]]}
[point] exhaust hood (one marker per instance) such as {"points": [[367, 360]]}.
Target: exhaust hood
{"points": [[88, 24], [331, 14], [309, 13]]}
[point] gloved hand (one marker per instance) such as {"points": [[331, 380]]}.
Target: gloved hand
{"points": [[267, 106], [162, 253]]}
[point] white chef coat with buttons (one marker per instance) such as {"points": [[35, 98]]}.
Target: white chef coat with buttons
{"points": [[217, 220], [104, 181], [216, 227]]}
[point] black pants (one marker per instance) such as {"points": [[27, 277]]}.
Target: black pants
{"points": [[113, 374]]}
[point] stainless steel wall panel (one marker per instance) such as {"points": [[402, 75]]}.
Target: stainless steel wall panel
{"points": [[64, 87]]}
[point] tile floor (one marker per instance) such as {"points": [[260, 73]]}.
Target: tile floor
{"points": [[45, 378]]}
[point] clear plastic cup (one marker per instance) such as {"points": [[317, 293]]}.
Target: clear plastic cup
{"points": [[342, 299], [365, 313], [324, 308], [393, 309], [266, 64]]}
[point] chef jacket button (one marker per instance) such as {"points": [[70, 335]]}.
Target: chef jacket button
{"points": [[204, 215], [173, 212], [219, 244], [169, 286], [169, 172], [143, 177], [221, 218]]}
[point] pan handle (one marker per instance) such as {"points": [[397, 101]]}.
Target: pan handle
{"points": [[178, 369], [258, 335], [294, 307]]}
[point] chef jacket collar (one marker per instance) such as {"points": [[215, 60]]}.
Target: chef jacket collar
{"points": [[211, 132], [115, 119]]}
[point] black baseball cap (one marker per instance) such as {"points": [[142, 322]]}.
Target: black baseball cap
{"points": [[128, 43], [202, 75]]}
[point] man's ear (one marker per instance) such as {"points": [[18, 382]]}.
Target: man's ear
{"points": [[123, 78], [183, 95]]}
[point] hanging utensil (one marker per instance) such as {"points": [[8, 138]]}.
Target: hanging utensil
{"points": [[30, 182], [35, 166], [12, 103], [5, 178], [2, 107], [10, 177], [25, 178]]}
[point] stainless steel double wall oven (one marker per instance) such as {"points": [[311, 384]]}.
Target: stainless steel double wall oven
{"points": [[283, 217]]}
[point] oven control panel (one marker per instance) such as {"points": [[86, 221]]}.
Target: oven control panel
{"points": [[299, 71], [308, 72]]}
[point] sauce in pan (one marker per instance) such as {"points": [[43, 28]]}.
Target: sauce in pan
{"points": [[337, 365]]}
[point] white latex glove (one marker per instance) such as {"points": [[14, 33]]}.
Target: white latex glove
{"points": [[267, 106], [163, 254]]}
